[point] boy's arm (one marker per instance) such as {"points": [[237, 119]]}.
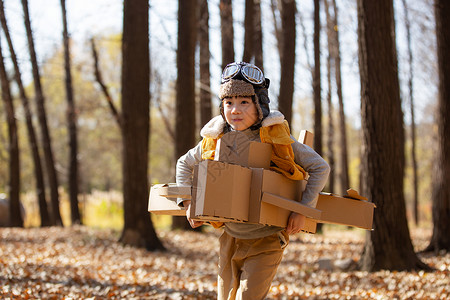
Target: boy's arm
{"points": [[317, 168], [185, 167]]}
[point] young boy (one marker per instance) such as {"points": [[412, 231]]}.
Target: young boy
{"points": [[250, 253]]}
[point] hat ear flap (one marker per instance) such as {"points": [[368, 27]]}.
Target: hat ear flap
{"points": [[263, 101], [258, 107]]}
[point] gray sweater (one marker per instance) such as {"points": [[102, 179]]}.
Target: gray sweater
{"points": [[305, 156]]}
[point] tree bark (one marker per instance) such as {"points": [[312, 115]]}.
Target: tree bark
{"points": [[389, 245], [72, 125], [226, 28], [288, 10], [249, 31], [344, 176], [440, 239], [205, 75], [15, 216], [185, 130], [317, 93], [38, 172], [138, 228], [42, 117]]}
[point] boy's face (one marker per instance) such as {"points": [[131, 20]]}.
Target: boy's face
{"points": [[240, 112]]}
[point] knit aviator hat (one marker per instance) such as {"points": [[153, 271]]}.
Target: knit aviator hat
{"points": [[236, 88]]}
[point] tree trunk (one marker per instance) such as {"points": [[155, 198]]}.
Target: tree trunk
{"points": [[72, 125], [258, 39], [389, 245], [413, 122], [344, 176], [226, 28], [38, 172], [305, 41], [316, 82], [185, 130], [440, 239], [15, 216], [205, 86], [276, 25], [330, 41], [42, 117], [288, 10], [249, 29], [138, 228]]}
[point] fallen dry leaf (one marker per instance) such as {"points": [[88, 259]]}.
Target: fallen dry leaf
{"points": [[81, 262]]}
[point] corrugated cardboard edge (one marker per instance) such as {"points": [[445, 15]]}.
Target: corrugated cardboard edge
{"points": [[291, 205]]}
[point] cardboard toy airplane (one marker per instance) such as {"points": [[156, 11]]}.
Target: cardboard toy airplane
{"points": [[238, 186]]}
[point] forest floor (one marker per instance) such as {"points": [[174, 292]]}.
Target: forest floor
{"points": [[84, 263]]}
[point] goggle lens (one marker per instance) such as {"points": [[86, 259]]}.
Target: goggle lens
{"points": [[230, 71], [250, 72]]}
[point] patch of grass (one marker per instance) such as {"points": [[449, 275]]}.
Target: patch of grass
{"points": [[99, 209]]}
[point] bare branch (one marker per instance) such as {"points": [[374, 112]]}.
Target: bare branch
{"points": [[165, 118], [99, 78]]}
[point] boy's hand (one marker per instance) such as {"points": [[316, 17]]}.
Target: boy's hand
{"points": [[193, 223], [295, 223]]}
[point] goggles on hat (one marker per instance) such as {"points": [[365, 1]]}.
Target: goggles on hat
{"points": [[248, 72]]}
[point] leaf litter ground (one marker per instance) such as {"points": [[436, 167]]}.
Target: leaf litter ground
{"points": [[81, 263]]}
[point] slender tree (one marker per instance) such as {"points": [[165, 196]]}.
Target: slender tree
{"points": [[227, 32], [32, 139], [203, 42], [15, 216], [258, 36], [42, 117], [344, 175], [317, 89], [411, 107], [389, 245], [138, 228], [440, 239], [287, 10], [249, 31], [277, 26], [185, 131], [72, 124], [330, 141]]}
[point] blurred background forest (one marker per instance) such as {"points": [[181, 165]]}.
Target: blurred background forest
{"points": [[98, 25]]}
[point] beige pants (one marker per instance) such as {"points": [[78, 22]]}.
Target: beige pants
{"points": [[247, 266]]}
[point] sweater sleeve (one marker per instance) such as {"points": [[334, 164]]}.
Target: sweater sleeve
{"points": [[185, 167], [317, 168]]}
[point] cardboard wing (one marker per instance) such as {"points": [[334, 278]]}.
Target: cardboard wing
{"points": [[163, 199], [345, 211]]}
